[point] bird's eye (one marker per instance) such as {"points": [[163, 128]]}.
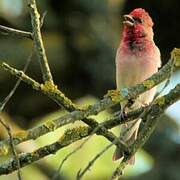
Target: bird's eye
{"points": [[138, 20]]}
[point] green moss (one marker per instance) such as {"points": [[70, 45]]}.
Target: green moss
{"points": [[50, 125], [83, 131], [148, 83], [49, 86], [175, 55], [20, 135], [4, 150], [75, 133], [85, 107], [161, 101], [115, 95]]}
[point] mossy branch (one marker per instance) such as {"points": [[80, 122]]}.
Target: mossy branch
{"points": [[49, 86], [151, 118], [75, 134], [116, 120], [112, 98], [56, 95]]}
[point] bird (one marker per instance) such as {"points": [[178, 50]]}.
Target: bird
{"points": [[137, 58]]}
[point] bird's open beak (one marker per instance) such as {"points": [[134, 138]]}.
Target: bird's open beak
{"points": [[128, 20]]}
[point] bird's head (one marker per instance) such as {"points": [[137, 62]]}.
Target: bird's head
{"points": [[138, 23]]}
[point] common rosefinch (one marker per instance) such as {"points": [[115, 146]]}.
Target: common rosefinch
{"points": [[137, 59]]}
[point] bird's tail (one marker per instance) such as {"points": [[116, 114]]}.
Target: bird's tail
{"points": [[128, 134]]}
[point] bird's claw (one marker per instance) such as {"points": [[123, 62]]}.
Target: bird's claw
{"points": [[123, 115]]}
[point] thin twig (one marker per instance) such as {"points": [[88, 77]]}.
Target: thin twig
{"points": [[15, 32], [99, 126], [5, 101], [36, 24], [42, 18], [7, 127], [73, 152], [80, 173], [172, 60]]}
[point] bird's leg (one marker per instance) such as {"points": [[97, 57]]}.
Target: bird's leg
{"points": [[123, 114], [124, 110]]}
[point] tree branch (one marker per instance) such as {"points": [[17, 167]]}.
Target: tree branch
{"points": [[108, 124], [11, 143], [114, 95], [112, 98], [36, 24], [75, 134], [58, 97], [7, 98], [151, 119], [6, 125], [15, 32], [81, 173]]}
